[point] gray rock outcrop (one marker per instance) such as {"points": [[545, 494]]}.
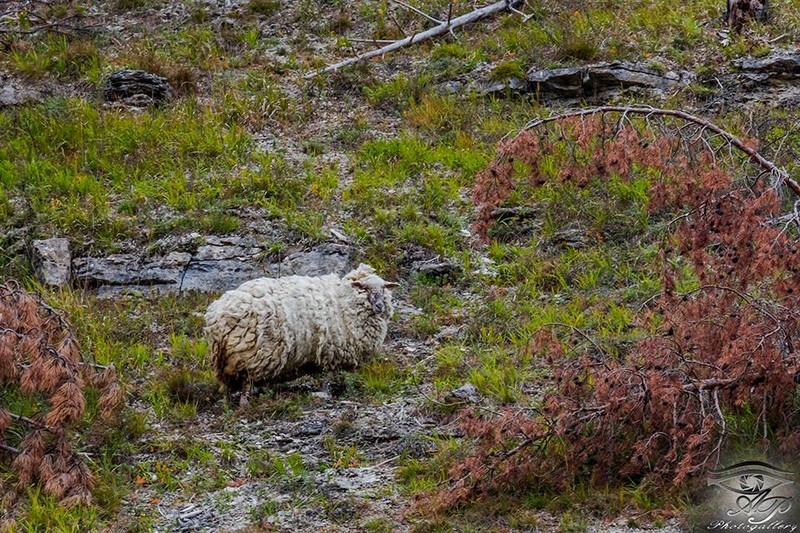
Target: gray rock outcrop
{"points": [[52, 261], [597, 79], [206, 264], [780, 65]]}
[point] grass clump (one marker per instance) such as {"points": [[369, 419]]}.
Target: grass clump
{"points": [[508, 70]]}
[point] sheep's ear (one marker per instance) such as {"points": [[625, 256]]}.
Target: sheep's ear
{"points": [[390, 285], [359, 284]]}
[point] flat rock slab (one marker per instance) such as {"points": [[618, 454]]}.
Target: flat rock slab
{"points": [[219, 275], [326, 259], [206, 264], [13, 94], [593, 80], [781, 64]]}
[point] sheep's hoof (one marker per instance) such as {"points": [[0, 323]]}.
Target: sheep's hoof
{"points": [[235, 399]]}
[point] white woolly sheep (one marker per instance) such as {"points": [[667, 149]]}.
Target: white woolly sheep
{"points": [[271, 329]]}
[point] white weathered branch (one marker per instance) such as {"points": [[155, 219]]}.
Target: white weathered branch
{"points": [[443, 27], [371, 41]]}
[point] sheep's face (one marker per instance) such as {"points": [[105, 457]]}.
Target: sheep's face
{"points": [[375, 290]]}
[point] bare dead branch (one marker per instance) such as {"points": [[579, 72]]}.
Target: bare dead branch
{"points": [[29, 421], [10, 449], [575, 330], [372, 41], [443, 27]]}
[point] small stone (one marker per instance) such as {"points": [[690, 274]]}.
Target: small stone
{"points": [[137, 87], [465, 393], [53, 261], [571, 236], [11, 95], [339, 235], [310, 429], [437, 267]]}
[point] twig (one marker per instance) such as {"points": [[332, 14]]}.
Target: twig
{"points": [[386, 462], [9, 448], [709, 384], [575, 330], [525, 16], [417, 11], [444, 27], [373, 41], [449, 18], [29, 421]]}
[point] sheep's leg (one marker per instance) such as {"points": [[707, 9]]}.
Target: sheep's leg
{"points": [[247, 390], [235, 389]]}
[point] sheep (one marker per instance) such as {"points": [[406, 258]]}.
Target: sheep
{"points": [[272, 329]]}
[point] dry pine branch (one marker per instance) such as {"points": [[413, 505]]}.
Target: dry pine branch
{"points": [[39, 357], [779, 174]]}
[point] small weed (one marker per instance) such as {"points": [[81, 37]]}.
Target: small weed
{"points": [[260, 513], [342, 456], [572, 523], [381, 378], [58, 56], [193, 388], [265, 8], [131, 5], [227, 453], [398, 92], [44, 513], [378, 525], [508, 70], [259, 464]]}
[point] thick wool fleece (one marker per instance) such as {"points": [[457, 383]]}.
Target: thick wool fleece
{"points": [[269, 328]]}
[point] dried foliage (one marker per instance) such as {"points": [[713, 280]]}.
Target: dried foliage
{"points": [[721, 353], [40, 361]]}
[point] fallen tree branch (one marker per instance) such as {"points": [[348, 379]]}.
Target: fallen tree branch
{"points": [[443, 27], [30, 422], [779, 175], [7, 448]]}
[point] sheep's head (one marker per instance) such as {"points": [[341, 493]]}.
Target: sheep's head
{"points": [[377, 290]]}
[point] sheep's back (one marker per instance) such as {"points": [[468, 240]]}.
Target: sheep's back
{"points": [[273, 326], [302, 322]]}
